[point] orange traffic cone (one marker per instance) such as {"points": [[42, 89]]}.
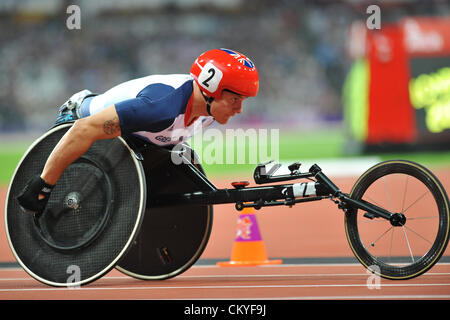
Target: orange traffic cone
{"points": [[248, 248]]}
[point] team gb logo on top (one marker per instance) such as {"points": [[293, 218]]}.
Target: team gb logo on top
{"points": [[241, 58]]}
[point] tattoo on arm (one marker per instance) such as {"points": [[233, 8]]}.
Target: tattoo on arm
{"points": [[111, 127]]}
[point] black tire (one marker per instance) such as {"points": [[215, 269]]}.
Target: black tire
{"points": [[92, 217], [407, 251], [171, 238]]}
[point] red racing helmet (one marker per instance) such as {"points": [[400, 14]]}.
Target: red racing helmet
{"points": [[219, 69]]}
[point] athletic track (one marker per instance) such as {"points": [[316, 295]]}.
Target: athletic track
{"points": [[307, 236]]}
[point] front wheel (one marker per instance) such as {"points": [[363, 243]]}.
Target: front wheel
{"points": [[402, 250]]}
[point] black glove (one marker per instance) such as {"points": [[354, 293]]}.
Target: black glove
{"points": [[29, 198]]}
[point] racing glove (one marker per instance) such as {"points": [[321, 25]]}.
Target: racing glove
{"points": [[29, 198]]}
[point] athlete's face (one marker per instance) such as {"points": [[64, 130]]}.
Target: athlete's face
{"points": [[227, 106]]}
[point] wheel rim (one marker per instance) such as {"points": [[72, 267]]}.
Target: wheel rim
{"points": [[407, 248]]}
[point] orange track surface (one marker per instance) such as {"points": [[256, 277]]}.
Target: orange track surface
{"points": [[310, 230], [339, 281]]}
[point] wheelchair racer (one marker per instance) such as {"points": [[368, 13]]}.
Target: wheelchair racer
{"points": [[162, 109]]}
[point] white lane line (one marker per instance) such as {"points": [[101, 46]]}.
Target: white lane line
{"points": [[302, 265], [284, 265], [382, 297], [227, 287], [228, 276], [289, 265], [296, 275]]}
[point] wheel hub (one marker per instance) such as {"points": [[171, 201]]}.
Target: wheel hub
{"points": [[72, 200], [398, 219]]}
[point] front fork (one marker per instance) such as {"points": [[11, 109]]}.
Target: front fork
{"points": [[345, 202]]}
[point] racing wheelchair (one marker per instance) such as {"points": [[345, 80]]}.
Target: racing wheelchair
{"points": [[148, 212]]}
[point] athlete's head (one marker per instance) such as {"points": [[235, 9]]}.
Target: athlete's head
{"points": [[226, 77]]}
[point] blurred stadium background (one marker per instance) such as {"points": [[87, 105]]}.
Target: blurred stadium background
{"points": [[314, 60]]}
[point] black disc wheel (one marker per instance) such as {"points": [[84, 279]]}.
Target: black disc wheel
{"points": [[92, 216], [171, 238], [413, 241]]}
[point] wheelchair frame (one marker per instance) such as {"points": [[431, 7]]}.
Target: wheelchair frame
{"points": [[273, 195]]}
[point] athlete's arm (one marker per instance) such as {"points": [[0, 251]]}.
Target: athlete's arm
{"points": [[102, 125]]}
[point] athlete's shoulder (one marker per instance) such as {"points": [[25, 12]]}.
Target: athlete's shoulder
{"points": [[157, 105], [173, 88], [173, 80]]}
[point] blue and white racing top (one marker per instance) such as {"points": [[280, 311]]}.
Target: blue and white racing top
{"points": [[154, 108]]}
